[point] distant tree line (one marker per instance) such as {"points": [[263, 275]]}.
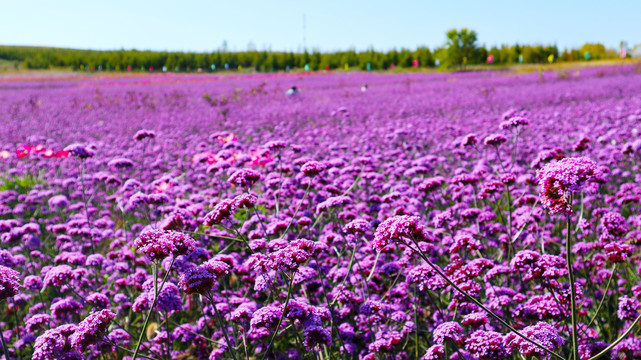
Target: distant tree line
{"points": [[461, 49]]}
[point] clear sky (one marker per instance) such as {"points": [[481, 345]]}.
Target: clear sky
{"points": [[201, 25]]}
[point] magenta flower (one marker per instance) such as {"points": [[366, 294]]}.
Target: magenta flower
{"points": [[543, 333], [514, 122], [494, 140], [397, 227], [201, 279], [448, 331], [628, 308], [357, 226], [486, 345], [80, 151], [144, 134], [244, 178], [9, 283], [58, 276], [312, 168], [159, 244], [434, 352], [559, 180], [91, 329], [197, 280], [267, 316], [54, 344], [223, 210]]}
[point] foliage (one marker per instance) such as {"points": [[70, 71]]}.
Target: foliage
{"points": [[461, 49]]}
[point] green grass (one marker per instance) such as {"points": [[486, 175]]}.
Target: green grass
{"points": [[9, 65], [21, 185]]}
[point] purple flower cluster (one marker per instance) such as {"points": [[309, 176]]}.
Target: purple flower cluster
{"points": [[54, 344], [201, 279], [244, 178], [80, 151], [144, 134], [543, 333], [91, 329], [357, 239], [559, 180], [513, 122], [58, 276], [312, 168], [397, 228], [486, 345], [9, 283], [159, 244]]}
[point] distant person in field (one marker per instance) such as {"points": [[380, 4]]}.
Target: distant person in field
{"points": [[364, 88], [292, 91]]}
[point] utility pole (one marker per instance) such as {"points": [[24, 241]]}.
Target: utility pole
{"points": [[304, 35]]}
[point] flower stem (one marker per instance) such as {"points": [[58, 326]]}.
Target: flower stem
{"points": [[222, 326], [617, 341], [479, 304], [4, 345], [605, 294], [297, 208], [568, 259], [280, 321], [153, 304]]}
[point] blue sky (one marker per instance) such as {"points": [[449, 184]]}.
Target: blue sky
{"points": [[191, 25]]}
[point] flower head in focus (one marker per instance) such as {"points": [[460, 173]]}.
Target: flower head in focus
{"points": [[559, 180], [91, 329], [543, 333], [9, 283], [159, 244], [397, 227]]}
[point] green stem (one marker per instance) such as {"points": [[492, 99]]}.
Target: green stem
{"points": [[153, 304], [605, 294], [261, 223], [84, 200], [129, 351], [4, 345], [280, 321], [617, 341], [568, 259], [416, 321], [479, 304], [358, 178], [349, 269], [222, 327], [297, 208], [371, 272]]}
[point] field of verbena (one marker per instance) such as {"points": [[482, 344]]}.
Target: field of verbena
{"points": [[214, 217]]}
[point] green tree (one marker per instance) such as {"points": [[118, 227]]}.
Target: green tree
{"points": [[462, 48], [597, 51]]}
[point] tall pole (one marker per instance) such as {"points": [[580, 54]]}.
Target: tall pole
{"points": [[304, 35]]}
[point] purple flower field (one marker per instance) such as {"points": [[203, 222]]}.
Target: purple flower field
{"points": [[480, 215]]}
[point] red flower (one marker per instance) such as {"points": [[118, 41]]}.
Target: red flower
{"points": [[23, 151]]}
